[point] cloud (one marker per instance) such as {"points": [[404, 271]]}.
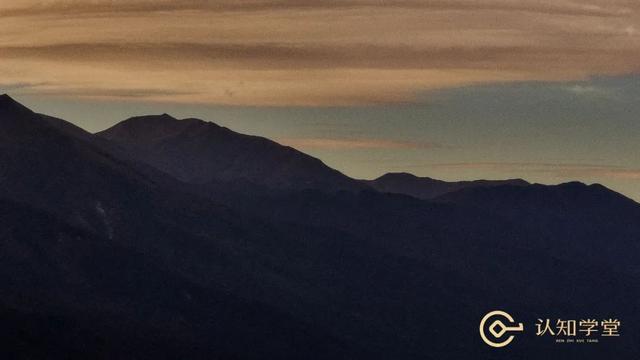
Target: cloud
{"points": [[102, 93], [560, 170], [281, 55], [13, 86], [268, 52], [33, 8], [589, 90], [354, 144]]}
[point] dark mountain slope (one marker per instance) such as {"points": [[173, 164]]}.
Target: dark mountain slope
{"points": [[286, 274], [200, 152], [387, 266], [101, 258], [402, 265], [428, 188], [588, 222], [68, 294]]}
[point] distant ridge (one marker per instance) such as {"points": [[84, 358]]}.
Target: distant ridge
{"points": [[428, 188]]}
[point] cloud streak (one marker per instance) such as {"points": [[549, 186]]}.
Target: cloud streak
{"points": [[318, 53], [279, 56], [35, 8], [560, 170], [354, 144]]}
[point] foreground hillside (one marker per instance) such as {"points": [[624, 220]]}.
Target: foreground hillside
{"points": [[165, 238]]}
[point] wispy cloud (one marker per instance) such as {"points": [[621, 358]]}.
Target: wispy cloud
{"points": [[589, 90], [35, 7], [560, 170], [354, 144], [268, 52], [271, 55], [16, 86]]}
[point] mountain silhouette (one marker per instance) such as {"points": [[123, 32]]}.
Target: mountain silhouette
{"points": [[90, 242], [201, 152], [111, 248], [428, 188]]}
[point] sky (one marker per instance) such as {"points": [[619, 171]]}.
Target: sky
{"points": [[548, 91]]}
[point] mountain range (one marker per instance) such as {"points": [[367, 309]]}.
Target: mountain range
{"points": [[428, 188], [162, 238]]}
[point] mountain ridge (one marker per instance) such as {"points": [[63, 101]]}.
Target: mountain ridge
{"points": [[429, 188], [198, 151], [103, 258]]}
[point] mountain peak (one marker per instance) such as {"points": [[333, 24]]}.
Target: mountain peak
{"points": [[5, 97], [17, 120], [8, 104], [398, 174], [401, 176], [151, 128], [164, 117], [202, 152]]}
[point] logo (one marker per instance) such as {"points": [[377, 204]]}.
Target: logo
{"points": [[499, 332], [497, 329]]}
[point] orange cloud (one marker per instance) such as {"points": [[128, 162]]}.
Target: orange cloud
{"points": [[321, 53]]}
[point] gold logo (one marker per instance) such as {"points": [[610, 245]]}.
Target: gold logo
{"points": [[498, 329]]}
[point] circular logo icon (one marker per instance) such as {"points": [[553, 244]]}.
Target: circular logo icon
{"points": [[496, 326]]}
